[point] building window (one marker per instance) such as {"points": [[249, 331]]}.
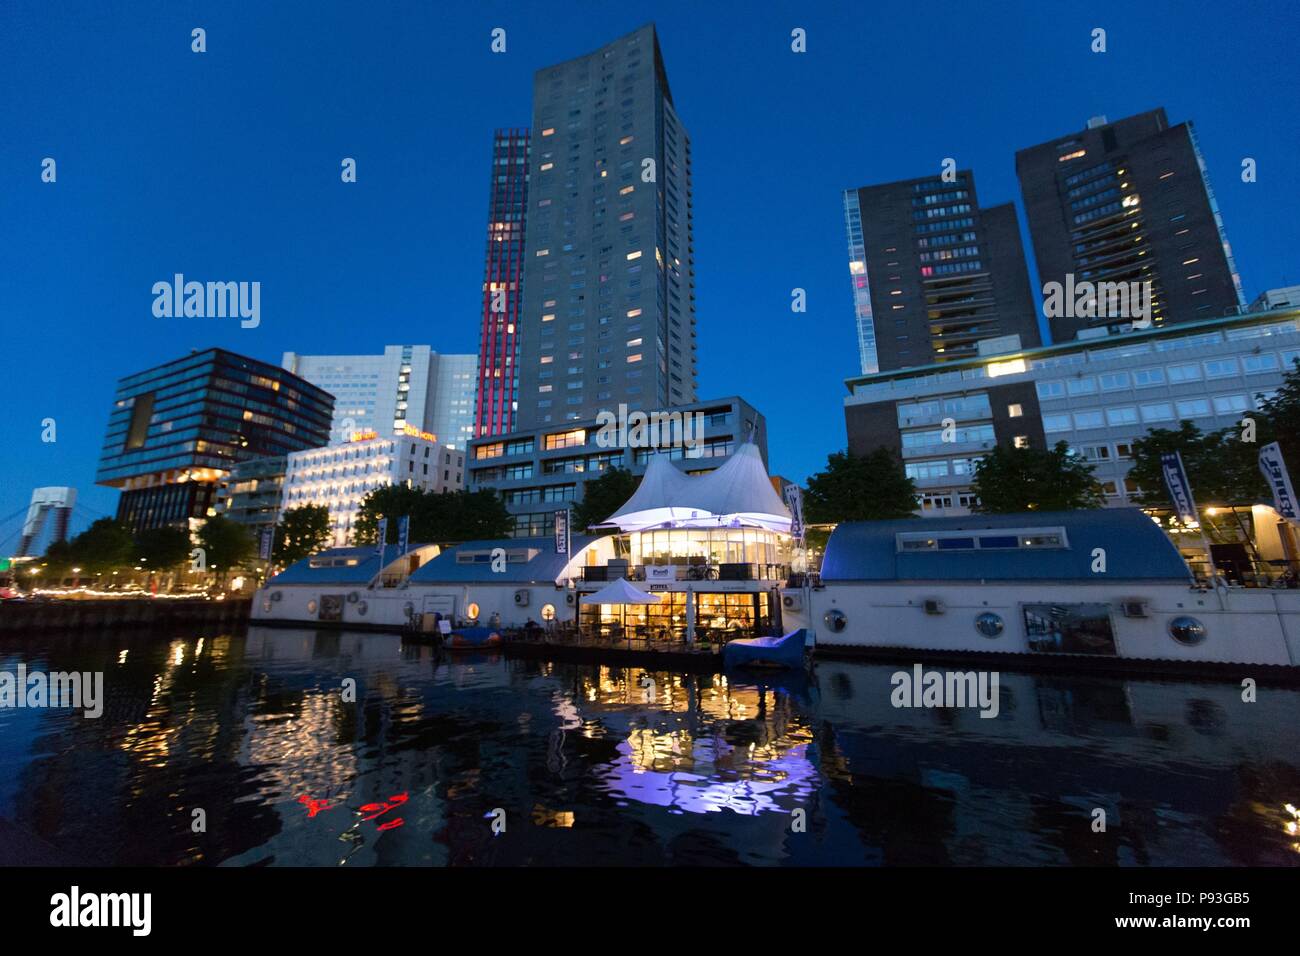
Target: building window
{"points": [[1014, 411]]}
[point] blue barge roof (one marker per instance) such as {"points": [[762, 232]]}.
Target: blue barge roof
{"points": [[1011, 547]]}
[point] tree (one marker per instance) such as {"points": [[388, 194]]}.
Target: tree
{"points": [[302, 531], [604, 496], [869, 487], [162, 549], [441, 518], [1009, 480], [103, 547], [1221, 468], [391, 502], [226, 544]]}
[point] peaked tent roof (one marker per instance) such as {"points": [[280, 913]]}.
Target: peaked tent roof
{"points": [[740, 491], [661, 496], [619, 591]]}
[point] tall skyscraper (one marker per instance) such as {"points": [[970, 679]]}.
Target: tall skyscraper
{"points": [[608, 301], [498, 351], [1128, 202], [934, 274], [177, 430], [409, 386]]}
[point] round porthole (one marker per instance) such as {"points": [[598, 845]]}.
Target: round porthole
{"points": [[1187, 630], [548, 612], [276, 595], [471, 611], [835, 620], [362, 607], [311, 607], [989, 624], [353, 597]]}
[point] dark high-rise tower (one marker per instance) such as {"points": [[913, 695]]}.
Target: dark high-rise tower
{"points": [[934, 274], [608, 302], [498, 353], [1129, 201]]}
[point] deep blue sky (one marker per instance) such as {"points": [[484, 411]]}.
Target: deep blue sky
{"points": [[225, 166]]}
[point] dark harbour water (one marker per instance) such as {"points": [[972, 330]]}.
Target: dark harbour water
{"points": [[252, 729]]}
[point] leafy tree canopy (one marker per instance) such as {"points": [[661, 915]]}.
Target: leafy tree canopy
{"points": [[436, 517], [302, 531], [1009, 480], [604, 496], [853, 487]]}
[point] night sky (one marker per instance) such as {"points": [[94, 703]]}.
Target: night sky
{"points": [[225, 166]]}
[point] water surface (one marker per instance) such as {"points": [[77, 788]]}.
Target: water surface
{"points": [[613, 765]]}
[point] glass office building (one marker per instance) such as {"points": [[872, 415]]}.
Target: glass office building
{"points": [[175, 431]]}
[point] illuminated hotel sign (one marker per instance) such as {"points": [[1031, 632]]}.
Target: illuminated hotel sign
{"points": [[410, 430]]}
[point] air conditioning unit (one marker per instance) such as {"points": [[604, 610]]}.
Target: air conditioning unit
{"points": [[792, 601], [521, 598], [1134, 607], [571, 598], [933, 606]]}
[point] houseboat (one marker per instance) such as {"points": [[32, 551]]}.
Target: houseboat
{"points": [[706, 559]]}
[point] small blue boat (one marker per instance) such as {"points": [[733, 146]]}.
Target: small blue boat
{"points": [[784, 651]]}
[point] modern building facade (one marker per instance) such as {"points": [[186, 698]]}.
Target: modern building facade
{"points": [[1286, 297], [503, 278], [933, 274], [544, 470], [51, 501], [176, 430], [609, 295], [407, 386], [1098, 396], [1129, 201], [250, 493], [340, 476]]}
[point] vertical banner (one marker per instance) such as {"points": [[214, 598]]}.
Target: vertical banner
{"points": [[1180, 490], [383, 540], [403, 534], [563, 538], [793, 496], [1279, 481], [266, 542]]}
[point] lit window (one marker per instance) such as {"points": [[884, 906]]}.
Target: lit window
{"points": [[548, 132], [1014, 411], [1021, 441], [634, 255], [634, 358]]}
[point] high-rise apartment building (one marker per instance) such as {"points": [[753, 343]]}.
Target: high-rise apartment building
{"points": [[608, 299], [177, 430], [408, 386], [503, 274], [1128, 202], [933, 274]]}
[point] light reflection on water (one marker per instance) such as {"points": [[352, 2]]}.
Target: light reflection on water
{"points": [[613, 765]]}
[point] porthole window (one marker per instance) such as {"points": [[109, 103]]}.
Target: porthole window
{"points": [[353, 597], [311, 607], [835, 620], [548, 612], [362, 607], [1187, 630], [989, 624], [471, 611], [276, 595]]}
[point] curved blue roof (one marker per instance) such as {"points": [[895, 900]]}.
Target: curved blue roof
{"points": [[541, 564], [1136, 549], [330, 567]]}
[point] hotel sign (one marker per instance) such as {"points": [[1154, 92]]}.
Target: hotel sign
{"points": [[1180, 489], [1279, 481]]}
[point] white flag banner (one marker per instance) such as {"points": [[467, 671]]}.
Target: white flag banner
{"points": [[1279, 481]]}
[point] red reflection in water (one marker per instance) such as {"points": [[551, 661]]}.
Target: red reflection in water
{"points": [[313, 805], [379, 809]]}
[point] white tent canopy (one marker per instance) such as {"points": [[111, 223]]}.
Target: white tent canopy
{"points": [[737, 494], [620, 592]]}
